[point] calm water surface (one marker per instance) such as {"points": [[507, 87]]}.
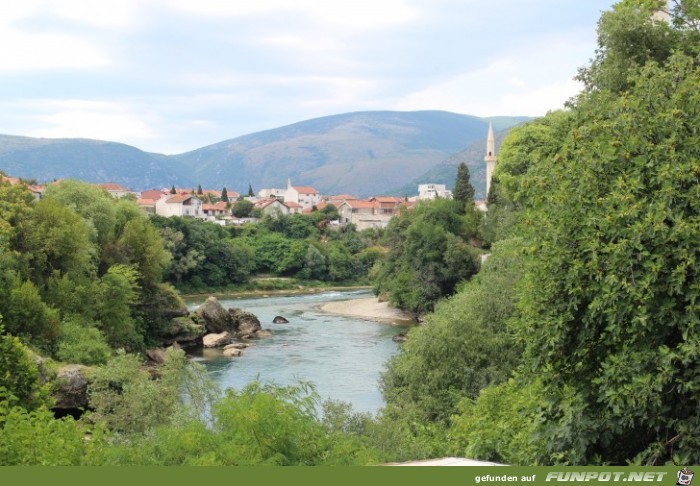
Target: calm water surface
{"points": [[342, 356]]}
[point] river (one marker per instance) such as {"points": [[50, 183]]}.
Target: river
{"points": [[342, 356]]}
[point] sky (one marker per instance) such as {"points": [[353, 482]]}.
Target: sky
{"points": [[170, 76]]}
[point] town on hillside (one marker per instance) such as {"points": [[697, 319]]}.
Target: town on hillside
{"points": [[227, 208]]}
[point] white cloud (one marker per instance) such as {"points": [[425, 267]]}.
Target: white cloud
{"points": [[530, 81], [355, 14], [48, 51], [88, 119]]}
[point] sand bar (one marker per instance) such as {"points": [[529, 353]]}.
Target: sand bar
{"points": [[369, 308]]}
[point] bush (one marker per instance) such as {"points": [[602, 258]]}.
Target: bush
{"points": [[80, 342]]}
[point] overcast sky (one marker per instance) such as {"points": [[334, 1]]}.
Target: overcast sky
{"points": [[174, 75]]}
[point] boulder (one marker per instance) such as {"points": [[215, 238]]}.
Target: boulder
{"points": [[236, 346], [280, 320], [215, 317], [245, 323], [262, 333], [70, 388], [400, 338], [156, 355], [183, 330], [216, 340], [232, 352]]}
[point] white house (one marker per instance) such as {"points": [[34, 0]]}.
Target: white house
{"points": [[115, 190], [306, 196], [433, 191], [272, 192], [179, 205], [271, 206]]}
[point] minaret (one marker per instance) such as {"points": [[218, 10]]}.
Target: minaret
{"points": [[490, 158]]}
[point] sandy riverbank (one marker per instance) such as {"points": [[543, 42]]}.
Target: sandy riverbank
{"points": [[369, 308]]}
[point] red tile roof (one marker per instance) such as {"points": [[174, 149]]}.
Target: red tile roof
{"points": [[111, 186], [146, 202], [11, 180], [292, 205], [305, 190], [361, 204], [220, 206], [152, 194], [178, 198]]}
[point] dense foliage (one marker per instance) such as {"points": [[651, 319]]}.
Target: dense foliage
{"points": [[205, 255], [429, 254]]}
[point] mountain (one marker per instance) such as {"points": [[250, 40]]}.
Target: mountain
{"points": [[364, 153], [360, 153], [47, 159], [446, 171]]}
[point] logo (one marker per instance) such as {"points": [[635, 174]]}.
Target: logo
{"points": [[685, 477]]}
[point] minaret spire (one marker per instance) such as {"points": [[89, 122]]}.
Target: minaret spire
{"points": [[490, 158]]}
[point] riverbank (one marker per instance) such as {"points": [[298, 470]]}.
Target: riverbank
{"points": [[370, 308], [248, 293]]}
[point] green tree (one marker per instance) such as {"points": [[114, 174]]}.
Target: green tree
{"points": [[609, 307], [119, 295], [19, 375], [199, 190], [251, 193], [242, 208], [463, 191], [91, 203], [172, 190], [224, 195]]}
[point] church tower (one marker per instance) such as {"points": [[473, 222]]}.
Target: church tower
{"points": [[490, 158]]}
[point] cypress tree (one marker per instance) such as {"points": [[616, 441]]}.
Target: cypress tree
{"points": [[250, 190], [199, 190], [464, 192], [172, 190], [224, 195]]}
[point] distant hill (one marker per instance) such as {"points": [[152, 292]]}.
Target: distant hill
{"points": [[364, 153], [47, 159], [446, 171], [361, 153]]}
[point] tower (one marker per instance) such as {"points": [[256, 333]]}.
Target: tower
{"points": [[490, 158]]}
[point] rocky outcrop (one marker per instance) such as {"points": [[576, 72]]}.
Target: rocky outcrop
{"points": [[236, 346], [215, 318], [245, 323], [183, 330], [280, 320], [232, 352], [262, 333], [156, 355], [70, 388], [400, 338], [216, 340]]}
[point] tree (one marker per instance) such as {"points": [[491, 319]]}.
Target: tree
{"points": [[609, 307], [224, 195], [463, 192], [242, 208], [427, 255], [199, 190], [172, 190], [250, 191], [19, 375]]}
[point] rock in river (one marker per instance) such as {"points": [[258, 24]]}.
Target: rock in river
{"points": [[280, 320], [216, 340]]}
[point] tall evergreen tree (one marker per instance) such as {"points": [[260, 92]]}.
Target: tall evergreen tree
{"points": [[224, 195], [464, 191], [250, 191], [199, 190], [172, 190]]}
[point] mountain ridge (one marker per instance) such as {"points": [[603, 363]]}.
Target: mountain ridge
{"points": [[365, 153]]}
